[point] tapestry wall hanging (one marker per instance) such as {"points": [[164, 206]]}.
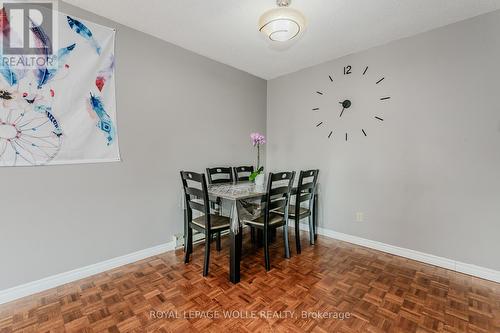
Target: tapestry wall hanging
{"points": [[62, 109]]}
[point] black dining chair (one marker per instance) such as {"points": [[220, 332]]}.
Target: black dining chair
{"points": [[279, 187], [219, 175], [196, 198], [242, 173], [305, 192]]}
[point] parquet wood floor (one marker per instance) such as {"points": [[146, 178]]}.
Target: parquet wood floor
{"points": [[376, 292]]}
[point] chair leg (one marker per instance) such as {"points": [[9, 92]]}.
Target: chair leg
{"points": [[315, 229], [218, 210], [185, 230], [206, 262], [311, 230], [252, 235], [189, 244], [315, 216], [218, 246], [285, 237], [266, 249], [297, 235], [273, 235], [260, 237]]}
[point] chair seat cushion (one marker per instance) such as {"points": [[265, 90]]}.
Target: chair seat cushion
{"points": [[216, 221], [303, 212], [274, 220]]}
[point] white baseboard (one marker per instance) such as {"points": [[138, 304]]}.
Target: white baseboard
{"points": [[34, 287], [481, 272]]}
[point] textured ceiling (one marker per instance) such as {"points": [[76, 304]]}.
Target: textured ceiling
{"points": [[226, 30]]}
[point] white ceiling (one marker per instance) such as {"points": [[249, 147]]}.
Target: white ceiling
{"points": [[226, 30]]}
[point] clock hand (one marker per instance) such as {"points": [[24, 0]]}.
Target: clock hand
{"points": [[342, 112]]}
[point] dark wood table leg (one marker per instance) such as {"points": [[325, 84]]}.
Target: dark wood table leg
{"points": [[240, 244], [235, 253], [234, 257]]}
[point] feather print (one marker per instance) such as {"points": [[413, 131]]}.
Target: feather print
{"points": [[42, 39], [5, 70], [8, 37], [105, 74], [8, 74], [85, 32], [44, 44], [4, 23], [63, 53], [105, 124], [47, 110], [44, 75]]}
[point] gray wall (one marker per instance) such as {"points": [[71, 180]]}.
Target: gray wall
{"points": [[427, 178], [176, 110]]}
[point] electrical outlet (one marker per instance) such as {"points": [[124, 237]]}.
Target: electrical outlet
{"points": [[360, 217]]}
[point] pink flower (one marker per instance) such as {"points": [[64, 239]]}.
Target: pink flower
{"points": [[257, 139]]}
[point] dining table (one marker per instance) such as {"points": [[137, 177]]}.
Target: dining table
{"points": [[240, 196]]}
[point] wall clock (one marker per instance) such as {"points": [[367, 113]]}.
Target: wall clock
{"points": [[349, 103]]}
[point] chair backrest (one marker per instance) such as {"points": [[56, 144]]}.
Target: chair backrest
{"points": [[306, 188], [219, 175], [279, 187], [242, 173], [196, 194]]}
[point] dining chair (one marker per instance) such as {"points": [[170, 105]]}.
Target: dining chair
{"points": [[277, 197], [196, 198], [242, 173], [219, 175], [306, 190]]}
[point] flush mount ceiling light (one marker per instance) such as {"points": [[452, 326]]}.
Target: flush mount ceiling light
{"points": [[283, 23]]}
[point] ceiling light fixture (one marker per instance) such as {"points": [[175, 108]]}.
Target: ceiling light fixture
{"points": [[283, 23]]}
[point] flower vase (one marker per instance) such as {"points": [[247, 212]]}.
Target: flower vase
{"points": [[259, 180]]}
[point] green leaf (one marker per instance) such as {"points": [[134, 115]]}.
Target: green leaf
{"points": [[253, 175]]}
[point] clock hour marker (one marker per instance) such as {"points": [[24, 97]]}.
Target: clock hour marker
{"points": [[384, 98], [362, 130], [331, 79], [315, 109], [321, 123], [382, 79], [329, 135], [379, 118], [366, 69], [319, 93], [346, 137]]}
